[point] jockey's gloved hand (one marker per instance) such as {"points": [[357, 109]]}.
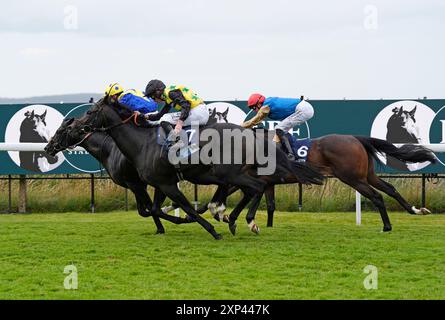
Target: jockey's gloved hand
{"points": [[141, 118]]}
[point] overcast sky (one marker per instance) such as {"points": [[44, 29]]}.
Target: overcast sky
{"points": [[226, 49]]}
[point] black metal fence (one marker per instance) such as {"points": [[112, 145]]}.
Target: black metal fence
{"points": [[434, 178]]}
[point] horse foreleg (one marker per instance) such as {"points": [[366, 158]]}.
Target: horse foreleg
{"points": [[237, 210], [144, 205], [270, 201], [158, 200], [177, 196], [217, 204]]}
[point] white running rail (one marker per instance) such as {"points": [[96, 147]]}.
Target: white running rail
{"points": [[27, 147]]}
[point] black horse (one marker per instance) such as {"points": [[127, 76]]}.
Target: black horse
{"points": [[33, 129], [402, 128], [140, 146], [122, 172]]}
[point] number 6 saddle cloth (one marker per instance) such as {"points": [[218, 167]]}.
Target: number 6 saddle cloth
{"points": [[300, 147]]}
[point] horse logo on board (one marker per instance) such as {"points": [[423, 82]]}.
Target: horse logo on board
{"points": [[34, 124], [403, 122]]}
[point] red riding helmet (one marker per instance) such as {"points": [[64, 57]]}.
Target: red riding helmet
{"points": [[254, 99]]}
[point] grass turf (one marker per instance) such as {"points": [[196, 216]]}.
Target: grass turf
{"points": [[304, 256]]}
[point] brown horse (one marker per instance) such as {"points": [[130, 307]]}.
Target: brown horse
{"points": [[351, 160]]}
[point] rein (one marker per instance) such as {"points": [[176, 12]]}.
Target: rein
{"points": [[80, 142], [133, 116]]}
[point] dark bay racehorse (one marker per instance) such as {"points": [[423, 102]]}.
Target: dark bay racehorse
{"points": [[139, 145], [102, 147], [351, 160]]}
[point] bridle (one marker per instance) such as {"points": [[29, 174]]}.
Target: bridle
{"points": [[88, 130], [133, 116]]}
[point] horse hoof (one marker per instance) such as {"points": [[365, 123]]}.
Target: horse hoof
{"points": [[218, 236], [144, 213], [255, 229], [425, 211], [387, 228], [232, 228], [160, 231], [226, 219]]}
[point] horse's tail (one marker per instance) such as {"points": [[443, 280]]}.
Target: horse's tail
{"points": [[306, 174], [406, 153]]}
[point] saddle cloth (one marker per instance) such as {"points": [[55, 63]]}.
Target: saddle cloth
{"points": [[192, 136], [300, 148]]}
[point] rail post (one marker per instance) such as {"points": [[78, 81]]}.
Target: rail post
{"points": [[358, 208], [22, 194], [300, 197], [126, 199], [9, 193], [195, 201], [423, 190], [92, 194]]}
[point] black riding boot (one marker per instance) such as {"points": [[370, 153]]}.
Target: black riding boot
{"points": [[285, 144]]}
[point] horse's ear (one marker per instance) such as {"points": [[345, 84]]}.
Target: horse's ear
{"points": [[400, 110], [413, 112], [43, 115], [213, 113], [68, 121], [226, 112], [32, 114]]}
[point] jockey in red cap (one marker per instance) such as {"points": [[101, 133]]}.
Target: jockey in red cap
{"points": [[288, 111]]}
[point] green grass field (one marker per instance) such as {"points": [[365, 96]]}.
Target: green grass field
{"points": [[305, 256]]}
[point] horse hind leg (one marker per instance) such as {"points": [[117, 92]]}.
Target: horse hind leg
{"points": [[391, 191], [250, 218], [377, 199], [216, 206], [177, 196]]}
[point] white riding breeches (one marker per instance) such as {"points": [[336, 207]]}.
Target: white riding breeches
{"points": [[198, 115], [303, 112]]}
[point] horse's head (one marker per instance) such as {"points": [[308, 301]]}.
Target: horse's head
{"points": [[36, 118], [33, 127], [222, 116], [402, 125], [30, 121], [402, 118], [62, 139], [218, 117]]}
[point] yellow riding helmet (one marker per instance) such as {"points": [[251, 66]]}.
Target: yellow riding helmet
{"points": [[113, 88]]}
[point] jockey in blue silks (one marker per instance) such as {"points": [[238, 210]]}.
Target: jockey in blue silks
{"points": [[290, 112], [132, 99]]}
